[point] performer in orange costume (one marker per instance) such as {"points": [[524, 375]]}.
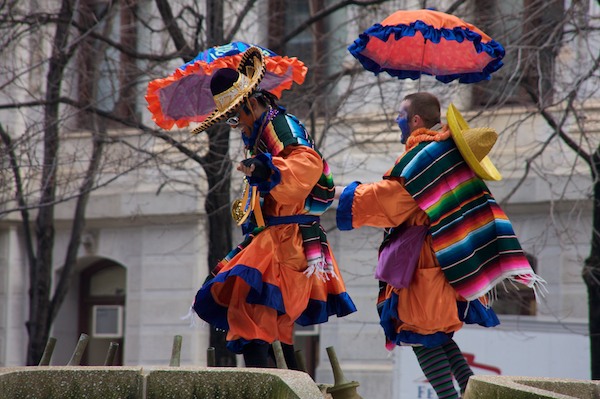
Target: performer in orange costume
{"points": [[284, 272], [440, 219]]}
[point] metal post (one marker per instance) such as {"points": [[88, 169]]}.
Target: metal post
{"points": [[279, 357], [341, 388], [176, 352], [79, 350], [300, 360], [48, 350], [110, 355], [210, 357]]}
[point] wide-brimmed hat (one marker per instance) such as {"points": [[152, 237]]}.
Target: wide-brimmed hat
{"points": [[230, 87], [474, 144]]}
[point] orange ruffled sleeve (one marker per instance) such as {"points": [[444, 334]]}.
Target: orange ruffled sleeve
{"points": [[382, 204], [300, 168]]}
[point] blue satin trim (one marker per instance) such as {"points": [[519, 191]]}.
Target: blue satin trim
{"points": [[295, 219], [318, 312], [260, 293], [343, 215], [477, 313]]}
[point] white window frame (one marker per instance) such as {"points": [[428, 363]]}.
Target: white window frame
{"points": [[307, 330], [119, 331]]}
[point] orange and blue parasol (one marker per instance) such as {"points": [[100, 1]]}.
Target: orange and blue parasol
{"points": [[410, 43], [184, 97]]}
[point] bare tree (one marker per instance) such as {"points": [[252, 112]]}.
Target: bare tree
{"points": [[89, 57]]}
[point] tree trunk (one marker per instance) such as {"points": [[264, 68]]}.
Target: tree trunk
{"points": [[78, 224], [218, 173], [40, 272], [591, 276], [217, 205]]}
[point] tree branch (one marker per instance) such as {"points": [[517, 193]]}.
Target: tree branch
{"points": [[238, 21], [125, 122], [19, 194], [164, 8], [454, 6], [78, 224], [322, 14]]}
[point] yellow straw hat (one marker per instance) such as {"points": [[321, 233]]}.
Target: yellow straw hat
{"points": [[474, 144], [230, 88]]}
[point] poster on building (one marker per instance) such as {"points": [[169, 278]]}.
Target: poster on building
{"points": [[532, 349]]}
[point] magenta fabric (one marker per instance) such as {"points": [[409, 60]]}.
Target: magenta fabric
{"points": [[399, 257]]}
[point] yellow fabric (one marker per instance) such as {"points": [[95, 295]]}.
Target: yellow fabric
{"points": [[260, 221], [485, 169]]}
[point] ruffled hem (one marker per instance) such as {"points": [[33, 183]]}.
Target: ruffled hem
{"points": [[269, 295], [318, 312], [473, 312], [260, 293], [459, 34], [281, 72]]}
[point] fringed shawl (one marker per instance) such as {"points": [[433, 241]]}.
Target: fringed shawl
{"points": [[473, 239]]}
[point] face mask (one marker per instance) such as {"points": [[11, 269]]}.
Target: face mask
{"points": [[403, 125]]}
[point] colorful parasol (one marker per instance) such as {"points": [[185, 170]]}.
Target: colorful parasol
{"points": [[410, 43], [185, 97]]}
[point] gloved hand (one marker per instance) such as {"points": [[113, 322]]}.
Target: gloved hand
{"points": [[261, 171]]}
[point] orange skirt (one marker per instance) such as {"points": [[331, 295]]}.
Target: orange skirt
{"points": [[262, 291], [428, 311]]}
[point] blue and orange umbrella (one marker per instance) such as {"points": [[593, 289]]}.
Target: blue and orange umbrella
{"points": [[184, 97], [410, 43]]}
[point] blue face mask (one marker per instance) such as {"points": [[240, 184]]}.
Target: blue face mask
{"points": [[403, 125]]}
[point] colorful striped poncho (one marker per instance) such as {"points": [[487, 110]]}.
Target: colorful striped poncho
{"points": [[473, 239]]}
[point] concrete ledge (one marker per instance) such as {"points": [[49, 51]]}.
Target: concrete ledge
{"points": [[506, 387], [69, 382], [230, 383]]}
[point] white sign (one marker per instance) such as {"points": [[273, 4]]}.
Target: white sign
{"points": [[531, 349]]}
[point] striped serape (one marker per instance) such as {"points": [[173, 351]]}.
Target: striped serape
{"points": [[473, 239]]}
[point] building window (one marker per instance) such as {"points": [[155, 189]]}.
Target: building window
{"points": [[315, 46], [102, 310], [530, 31], [516, 299], [106, 76]]}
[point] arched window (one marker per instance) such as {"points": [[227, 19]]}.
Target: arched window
{"points": [[102, 310]]}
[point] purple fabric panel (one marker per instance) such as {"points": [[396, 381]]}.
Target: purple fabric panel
{"points": [[187, 97], [398, 259]]}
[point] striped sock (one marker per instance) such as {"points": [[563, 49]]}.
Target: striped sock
{"points": [[436, 367], [458, 364]]}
